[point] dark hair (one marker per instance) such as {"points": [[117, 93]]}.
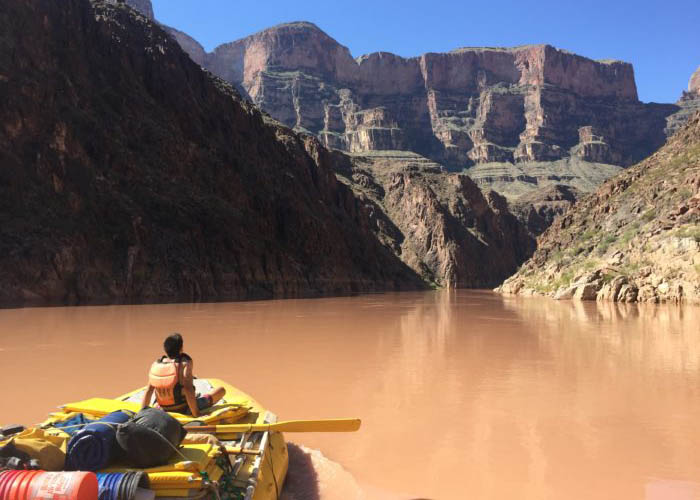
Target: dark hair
{"points": [[173, 345]]}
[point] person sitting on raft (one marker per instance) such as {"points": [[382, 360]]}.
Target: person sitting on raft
{"points": [[171, 378]]}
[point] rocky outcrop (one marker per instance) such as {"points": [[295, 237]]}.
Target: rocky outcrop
{"points": [[129, 174], [439, 223], [143, 6], [694, 83], [538, 208], [637, 239], [538, 191], [469, 106], [188, 44], [688, 104]]}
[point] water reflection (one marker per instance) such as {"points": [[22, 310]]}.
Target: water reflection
{"points": [[462, 394]]}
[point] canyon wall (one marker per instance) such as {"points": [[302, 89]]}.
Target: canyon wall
{"points": [[129, 174], [440, 223], [132, 175], [527, 121], [466, 107], [636, 239]]}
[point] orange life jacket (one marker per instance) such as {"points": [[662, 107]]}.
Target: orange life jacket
{"points": [[165, 379]]}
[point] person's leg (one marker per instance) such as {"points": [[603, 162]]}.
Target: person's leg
{"points": [[209, 400], [217, 394]]}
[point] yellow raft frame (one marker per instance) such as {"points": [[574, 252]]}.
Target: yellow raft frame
{"points": [[258, 460]]}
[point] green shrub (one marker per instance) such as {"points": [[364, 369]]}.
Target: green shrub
{"points": [[630, 233], [689, 232], [605, 244], [588, 235]]}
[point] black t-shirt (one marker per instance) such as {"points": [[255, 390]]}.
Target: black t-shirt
{"points": [[181, 357]]}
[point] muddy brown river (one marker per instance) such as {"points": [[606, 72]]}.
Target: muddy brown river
{"points": [[462, 394]]}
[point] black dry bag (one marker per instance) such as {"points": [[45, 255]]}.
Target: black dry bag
{"points": [[150, 438]]}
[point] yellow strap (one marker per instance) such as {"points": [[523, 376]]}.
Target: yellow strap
{"points": [[100, 407]]}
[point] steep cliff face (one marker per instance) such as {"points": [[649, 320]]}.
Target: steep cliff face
{"points": [[188, 44], [469, 106], [539, 208], [636, 239], [128, 173], [439, 223]]}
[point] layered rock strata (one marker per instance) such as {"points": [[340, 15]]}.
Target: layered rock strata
{"points": [[469, 106], [637, 239], [540, 207], [129, 174], [527, 119], [439, 223]]}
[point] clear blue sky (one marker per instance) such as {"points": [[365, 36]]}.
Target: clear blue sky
{"points": [[661, 37]]}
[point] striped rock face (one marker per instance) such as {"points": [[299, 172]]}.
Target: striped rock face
{"points": [[469, 106]]}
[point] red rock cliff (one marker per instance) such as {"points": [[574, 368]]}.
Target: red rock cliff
{"points": [[472, 105]]}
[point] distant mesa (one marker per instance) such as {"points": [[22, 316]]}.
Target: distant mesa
{"points": [[471, 106], [462, 108], [518, 120]]}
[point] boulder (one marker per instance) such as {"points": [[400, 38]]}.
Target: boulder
{"points": [[589, 291], [565, 293], [610, 291], [647, 293], [627, 293]]}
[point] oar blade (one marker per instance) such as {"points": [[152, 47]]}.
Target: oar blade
{"points": [[329, 425]]}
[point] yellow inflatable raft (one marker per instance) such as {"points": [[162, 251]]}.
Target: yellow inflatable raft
{"points": [[247, 460]]}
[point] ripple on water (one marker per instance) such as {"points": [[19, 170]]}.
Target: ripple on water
{"points": [[312, 476]]}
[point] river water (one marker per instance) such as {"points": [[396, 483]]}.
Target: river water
{"points": [[462, 394]]}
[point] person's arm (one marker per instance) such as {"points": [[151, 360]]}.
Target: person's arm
{"points": [[188, 388], [146, 401]]}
